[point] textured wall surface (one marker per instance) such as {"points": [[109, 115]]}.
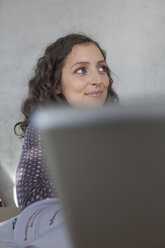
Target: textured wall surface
{"points": [[132, 32]]}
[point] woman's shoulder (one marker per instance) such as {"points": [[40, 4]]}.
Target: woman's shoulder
{"points": [[32, 136]]}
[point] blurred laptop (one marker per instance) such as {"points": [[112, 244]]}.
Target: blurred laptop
{"points": [[109, 167]]}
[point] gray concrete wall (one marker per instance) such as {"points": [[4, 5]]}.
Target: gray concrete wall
{"points": [[132, 32]]}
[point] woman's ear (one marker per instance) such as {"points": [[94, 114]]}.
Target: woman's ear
{"points": [[58, 89]]}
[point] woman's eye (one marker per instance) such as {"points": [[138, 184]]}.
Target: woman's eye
{"points": [[81, 70], [102, 68]]}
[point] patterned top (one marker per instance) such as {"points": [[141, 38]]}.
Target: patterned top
{"points": [[32, 180]]}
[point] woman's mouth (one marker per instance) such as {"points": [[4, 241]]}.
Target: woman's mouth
{"points": [[95, 93]]}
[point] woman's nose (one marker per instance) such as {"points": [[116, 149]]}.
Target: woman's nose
{"points": [[95, 78]]}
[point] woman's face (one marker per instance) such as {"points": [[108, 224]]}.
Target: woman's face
{"points": [[84, 80]]}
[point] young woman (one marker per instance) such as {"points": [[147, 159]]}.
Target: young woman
{"points": [[73, 70]]}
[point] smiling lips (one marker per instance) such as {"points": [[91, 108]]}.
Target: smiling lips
{"points": [[95, 93]]}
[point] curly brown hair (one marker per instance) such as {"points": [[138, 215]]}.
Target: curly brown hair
{"points": [[47, 77]]}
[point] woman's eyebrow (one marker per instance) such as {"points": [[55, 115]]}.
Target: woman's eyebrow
{"points": [[87, 63], [101, 61], [81, 63]]}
